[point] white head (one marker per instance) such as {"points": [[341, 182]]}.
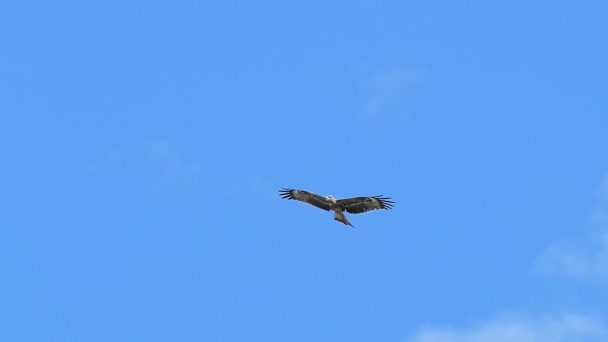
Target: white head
{"points": [[330, 198]]}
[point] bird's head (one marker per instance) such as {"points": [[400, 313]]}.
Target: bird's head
{"points": [[330, 198]]}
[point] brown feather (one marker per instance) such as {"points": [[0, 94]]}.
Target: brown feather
{"points": [[306, 197], [358, 205]]}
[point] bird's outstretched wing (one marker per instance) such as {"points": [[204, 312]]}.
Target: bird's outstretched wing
{"points": [[306, 197], [358, 205]]}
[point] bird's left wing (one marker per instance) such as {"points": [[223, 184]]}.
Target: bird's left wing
{"points": [[306, 197], [358, 205]]}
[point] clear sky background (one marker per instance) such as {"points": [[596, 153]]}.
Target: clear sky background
{"points": [[143, 145]]}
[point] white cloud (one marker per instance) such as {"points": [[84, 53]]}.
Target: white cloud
{"points": [[385, 92], [599, 216], [567, 327], [576, 261], [159, 165], [586, 258], [171, 169], [243, 187]]}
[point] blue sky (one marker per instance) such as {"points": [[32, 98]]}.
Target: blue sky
{"points": [[143, 145]]}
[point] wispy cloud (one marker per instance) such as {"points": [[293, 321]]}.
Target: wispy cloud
{"points": [[246, 186], [577, 261], [158, 165], [171, 168], [386, 91], [559, 328], [599, 216], [588, 257]]}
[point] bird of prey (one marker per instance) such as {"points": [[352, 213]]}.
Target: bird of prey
{"points": [[354, 205]]}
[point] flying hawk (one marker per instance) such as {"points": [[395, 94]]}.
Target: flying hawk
{"points": [[354, 205]]}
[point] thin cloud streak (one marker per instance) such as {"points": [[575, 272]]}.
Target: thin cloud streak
{"points": [[160, 165], [562, 328], [237, 188], [576, 261], [589, 258], [386, 91]]}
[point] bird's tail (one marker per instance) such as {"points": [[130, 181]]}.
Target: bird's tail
{"points": [[339, 216]]}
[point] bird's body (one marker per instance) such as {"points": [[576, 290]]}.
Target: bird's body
{"points": [[338, 211], [354, 205]]}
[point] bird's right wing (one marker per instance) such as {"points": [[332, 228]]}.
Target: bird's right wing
{"points": [[306, 197], [362, 204]]}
